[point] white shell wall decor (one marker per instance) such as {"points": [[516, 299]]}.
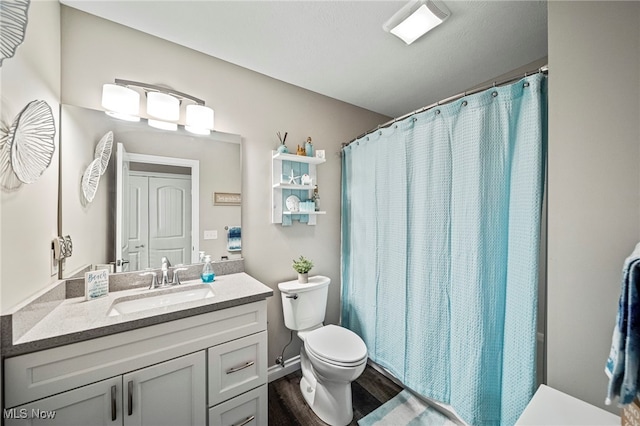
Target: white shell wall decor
{"points": [[13, 24], [8, 179], [31, 137], [103, 151], [90, 180], [91, 176]]}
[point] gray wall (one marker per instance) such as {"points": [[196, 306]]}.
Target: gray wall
{"points": [[594, 207]]}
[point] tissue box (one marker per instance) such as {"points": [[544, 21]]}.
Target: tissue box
{"points": [[631, 414]]}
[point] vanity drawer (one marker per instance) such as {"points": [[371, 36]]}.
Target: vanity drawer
{"points": [[236, 367], [248, 409]]}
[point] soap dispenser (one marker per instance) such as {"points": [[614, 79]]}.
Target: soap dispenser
{"points": [[207, 270]]}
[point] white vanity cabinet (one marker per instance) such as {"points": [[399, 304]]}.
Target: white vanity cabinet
{"points": [[94, 404], [237, 382], [170, 393], [153, 376]]}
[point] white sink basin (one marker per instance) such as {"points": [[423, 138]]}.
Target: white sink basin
{"points": [[159, 298]]}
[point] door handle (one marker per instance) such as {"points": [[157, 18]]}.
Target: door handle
{"points": [[130, 397], [113, 403], [247, 365], [140, 246]]}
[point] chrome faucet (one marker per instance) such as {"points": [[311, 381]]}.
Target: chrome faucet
{"points": [[176, 277], [165, 272], [154, 279]]}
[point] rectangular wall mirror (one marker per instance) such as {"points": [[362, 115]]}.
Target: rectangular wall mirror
{"points": [[143, 208]]}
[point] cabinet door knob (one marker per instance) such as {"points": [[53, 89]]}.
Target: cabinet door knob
{"points": [[246, 421], [130, 397], [247, 365]]}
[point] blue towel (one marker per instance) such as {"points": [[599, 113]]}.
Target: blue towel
{"points": [[624, 357], [234, 240]]}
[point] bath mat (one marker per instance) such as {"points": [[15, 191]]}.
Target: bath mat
{"points": [[405, 409]]}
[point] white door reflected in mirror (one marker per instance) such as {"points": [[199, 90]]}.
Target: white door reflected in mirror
{"points": [[154, 211]]}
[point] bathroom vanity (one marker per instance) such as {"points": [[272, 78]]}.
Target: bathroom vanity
{"points": [[191, 363]]}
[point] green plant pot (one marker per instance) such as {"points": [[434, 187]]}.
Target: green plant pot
{"points": [[303, 278]]}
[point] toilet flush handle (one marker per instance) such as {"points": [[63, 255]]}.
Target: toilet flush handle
{"points": [[293, 296]]}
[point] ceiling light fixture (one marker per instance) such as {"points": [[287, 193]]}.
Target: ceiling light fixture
{"points": [[415, 19], [163, 106]]}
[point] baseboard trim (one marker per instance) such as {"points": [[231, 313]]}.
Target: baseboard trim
{"points": [[276, 371]]}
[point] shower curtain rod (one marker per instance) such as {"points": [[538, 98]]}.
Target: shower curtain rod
{"points": [[543, 69]]}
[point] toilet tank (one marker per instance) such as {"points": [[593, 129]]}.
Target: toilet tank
{"points": [[308, 308]]}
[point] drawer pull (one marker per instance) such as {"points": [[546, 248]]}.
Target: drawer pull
{"points": [[113, 403], [247, 365], [246, 421], [130, 397]]}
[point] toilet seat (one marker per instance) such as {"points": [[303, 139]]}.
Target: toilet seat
{"points": [[336, 346]]}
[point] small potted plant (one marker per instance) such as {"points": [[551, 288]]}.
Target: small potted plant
{"points": [[302, 266]]}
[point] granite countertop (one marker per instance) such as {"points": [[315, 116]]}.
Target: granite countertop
{"points": [[76, 319]]}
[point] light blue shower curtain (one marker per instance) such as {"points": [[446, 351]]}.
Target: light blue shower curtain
{"points": [[440, 238]]}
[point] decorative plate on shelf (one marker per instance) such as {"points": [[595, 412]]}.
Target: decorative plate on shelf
{"points": [[293, 203]]}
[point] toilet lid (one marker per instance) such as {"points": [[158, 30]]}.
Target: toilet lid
{"points": [[336, 345]]}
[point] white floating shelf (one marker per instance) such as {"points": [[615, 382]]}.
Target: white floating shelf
{"points": [[298, 158], [293, 186], [312, 213]]}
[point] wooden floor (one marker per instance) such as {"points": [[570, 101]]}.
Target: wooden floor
{"points": [[287, 406]]}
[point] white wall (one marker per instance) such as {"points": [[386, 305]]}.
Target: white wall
{"points": [[594, 204], [29, 215], [95, 51]]}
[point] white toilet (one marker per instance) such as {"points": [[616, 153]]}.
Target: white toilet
{"points": [[331, 357]]}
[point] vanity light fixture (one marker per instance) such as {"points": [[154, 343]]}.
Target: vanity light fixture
{"points": [[163, 125], [415, 19], [163, 106], [121, 102], [199, 119]]}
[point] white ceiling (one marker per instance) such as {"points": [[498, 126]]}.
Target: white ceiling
{"points": [[338, 48]]}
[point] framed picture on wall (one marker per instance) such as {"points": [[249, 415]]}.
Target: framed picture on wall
{"points": [[227, 199]]}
